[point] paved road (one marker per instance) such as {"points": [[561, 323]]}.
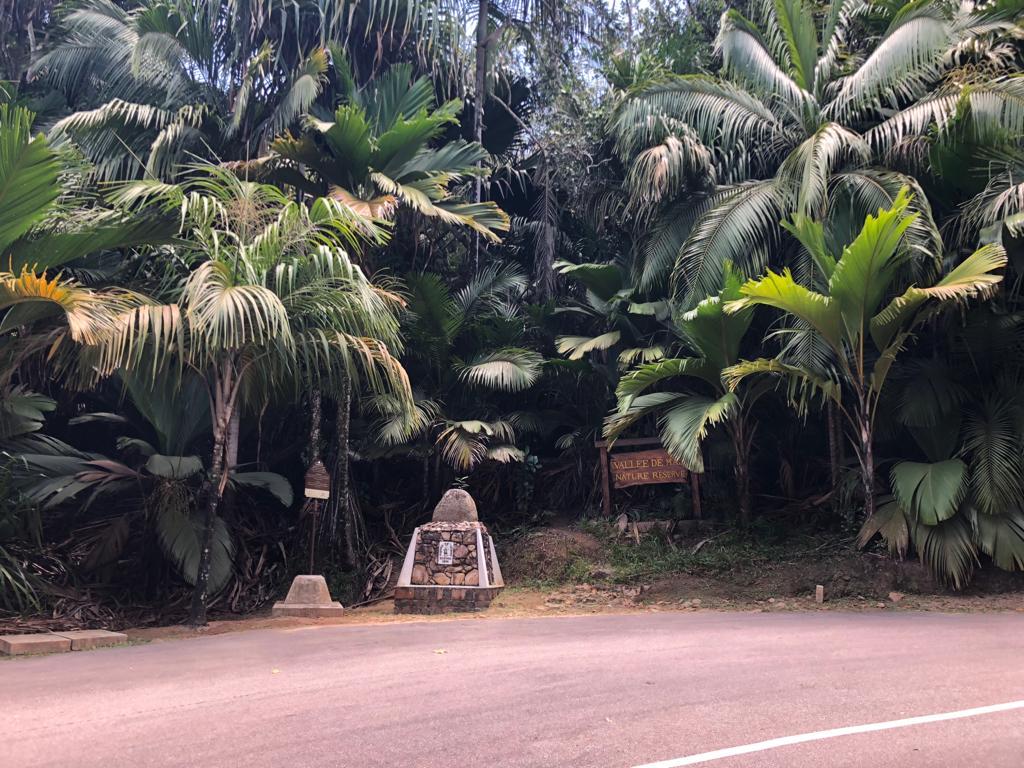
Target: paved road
{"points": [[601, 691]]}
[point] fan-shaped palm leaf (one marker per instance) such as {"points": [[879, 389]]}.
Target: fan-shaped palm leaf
{"points": [[509, 369], [931, 493]]}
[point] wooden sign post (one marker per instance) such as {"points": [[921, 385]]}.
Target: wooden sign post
{"points": [[655, 465]]}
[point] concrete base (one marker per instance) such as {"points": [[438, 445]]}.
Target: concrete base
{"points": [[23, 645], [307, 610], [308, 598], [87, 639]]}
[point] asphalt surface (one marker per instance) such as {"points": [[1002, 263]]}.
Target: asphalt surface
{"points": [[577, 691]]}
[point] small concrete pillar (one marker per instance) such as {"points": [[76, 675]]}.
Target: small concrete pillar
{"points": [[308, 598]]}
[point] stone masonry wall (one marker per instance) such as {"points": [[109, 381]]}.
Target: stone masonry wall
{"points": [[429, 600], [464, 568]]}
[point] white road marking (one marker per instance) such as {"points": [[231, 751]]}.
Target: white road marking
{"points": [[785, 741]]}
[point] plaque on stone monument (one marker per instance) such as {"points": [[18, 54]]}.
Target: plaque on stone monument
{"points": [[445, 552]]}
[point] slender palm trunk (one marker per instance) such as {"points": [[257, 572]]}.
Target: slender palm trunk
{"points": [[741, 442], [225, 392], [340, 502], [479, 97], [866, 454], [315, 419], [231, 442], [232, 439], [834, 439]]}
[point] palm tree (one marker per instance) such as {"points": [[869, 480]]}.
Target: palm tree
{"points": [[817, 121], [863, 336], [956, 493], [146, 491], [272, 305], [613, 317], [462, 348], [688, 416], [375, 154], [48, 228], [161, 82]]}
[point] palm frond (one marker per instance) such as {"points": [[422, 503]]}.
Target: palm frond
{"points": [[578, 347], [687, 423], [900, 67], [1001, 538], [930, 493], [947, 549], [749, 214], [889, 522], [746, 57], [28, 175], [509, 369], [974, 276]]}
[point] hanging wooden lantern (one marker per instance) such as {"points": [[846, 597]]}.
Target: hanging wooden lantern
{"points": [[318, 482]]}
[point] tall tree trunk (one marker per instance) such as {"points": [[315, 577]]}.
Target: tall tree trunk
{"points": [[232, 438], [343, 475], [741, 447], [546, 213], [231, 442], [834, 440], [340, 506], [867, 455], [225, 392], [315, 418], [479, 97]]}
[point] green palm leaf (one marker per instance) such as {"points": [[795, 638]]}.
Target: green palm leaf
{"points": [[1001, 538], [686, 424], [900, 66], [746, 57], [783, 292], [797, 24], [863, 273], [931, 493], [974, 276], [802, 385], [751, 214], [180, 538], [992, 438], [578, 347], [889, 522], [947, 549], [28, 176], [643, 377]]}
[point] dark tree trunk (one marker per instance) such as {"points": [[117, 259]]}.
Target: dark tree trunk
{"points": [[340, 502], [741, 442], [231, 443], [546, 212], [213, 491], [479, 98], [315, 418], [867, 456], [834, 441]]}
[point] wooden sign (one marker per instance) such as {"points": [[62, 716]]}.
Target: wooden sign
{"points": [[621, 470], [645, 468], [318, 482]]}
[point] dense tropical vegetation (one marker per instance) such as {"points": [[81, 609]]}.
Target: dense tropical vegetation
{"points": [[439, 242]]}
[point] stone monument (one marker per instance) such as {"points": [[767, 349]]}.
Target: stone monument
{"points": [[451, 564], [308, 598]]}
